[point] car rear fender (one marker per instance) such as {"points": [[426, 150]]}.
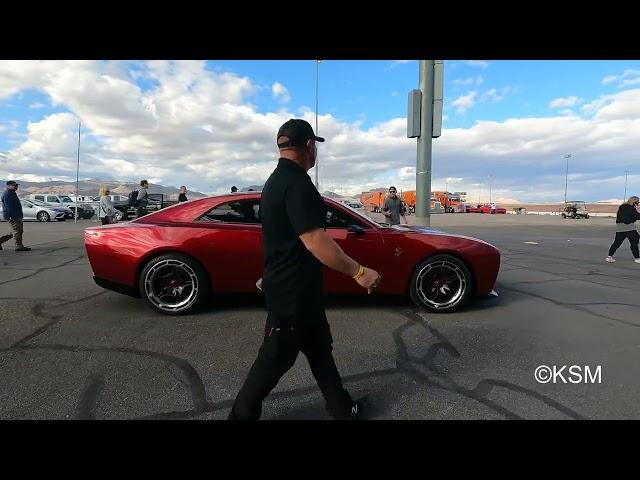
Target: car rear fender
{"points": [[163, 251]]}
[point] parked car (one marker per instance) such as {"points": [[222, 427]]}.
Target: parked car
{"points": [[486, 208], [41, 211], [350, 202], [84, 210], [177, 257]]}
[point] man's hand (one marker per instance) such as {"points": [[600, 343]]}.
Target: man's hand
{"points": [[370, 280]]}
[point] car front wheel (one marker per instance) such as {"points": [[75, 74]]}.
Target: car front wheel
{"points": [[174, 284], [43, 217], [441, 284]]}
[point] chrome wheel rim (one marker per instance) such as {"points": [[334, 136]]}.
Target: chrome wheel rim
{"points": [[171, 285], [440, 284]]}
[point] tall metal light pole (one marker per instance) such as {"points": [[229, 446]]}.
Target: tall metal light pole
{"points": [[75, 217], [317, 83], [489, 188], [566, 177], [424, 122], [626, 176]]}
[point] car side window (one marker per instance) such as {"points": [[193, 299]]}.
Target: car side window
{"points": [[39, 197], [245, 211], [338, 219], [52, 199]]}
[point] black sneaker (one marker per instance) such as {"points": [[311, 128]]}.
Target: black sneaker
{"points": [[361, 409], [23, 249]]}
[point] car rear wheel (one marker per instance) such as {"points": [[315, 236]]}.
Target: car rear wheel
{"points": [[43, 217], [174, 284], [441, 284]]}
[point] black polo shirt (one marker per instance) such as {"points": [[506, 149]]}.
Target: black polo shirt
{"points": [[290, 206]]}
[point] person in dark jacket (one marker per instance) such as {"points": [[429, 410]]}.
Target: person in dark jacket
{"points": [[12, 213], [626, 228], [182, 197]]}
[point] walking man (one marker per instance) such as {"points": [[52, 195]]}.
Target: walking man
{"points": [[12, 213], [296, 246]]}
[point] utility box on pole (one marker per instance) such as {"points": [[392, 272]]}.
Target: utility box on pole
{"points": [[413, 116], [438, 94]]}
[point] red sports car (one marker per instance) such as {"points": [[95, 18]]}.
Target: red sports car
{"points": [[176, 258], [486, 208]]}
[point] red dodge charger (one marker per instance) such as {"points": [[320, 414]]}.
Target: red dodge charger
{"points": [[176, 258]]}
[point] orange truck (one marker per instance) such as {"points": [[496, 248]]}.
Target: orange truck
{"points": [[451, 202], [409, 198], [373, 201]]}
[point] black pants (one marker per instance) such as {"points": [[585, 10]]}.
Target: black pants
{"points": [[634, 239], [282, 343]]}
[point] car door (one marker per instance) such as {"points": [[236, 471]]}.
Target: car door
{"points": [[29, 210], [360, 241], [228, 240]]}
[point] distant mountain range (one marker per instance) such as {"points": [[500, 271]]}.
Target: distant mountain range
{"points": [[92, 188]]}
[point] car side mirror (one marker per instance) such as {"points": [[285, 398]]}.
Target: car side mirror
{"points": [[357, 229]]}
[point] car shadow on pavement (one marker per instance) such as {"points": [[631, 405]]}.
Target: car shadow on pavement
{"points": [[256, 301]]}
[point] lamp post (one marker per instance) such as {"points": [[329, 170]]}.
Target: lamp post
{"points": [[317, 84], [566, 177]]}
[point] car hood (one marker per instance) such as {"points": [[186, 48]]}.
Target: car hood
{"points": [[419, 229]]}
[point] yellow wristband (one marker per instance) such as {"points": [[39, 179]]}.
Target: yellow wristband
{"points": [[359, 273]]}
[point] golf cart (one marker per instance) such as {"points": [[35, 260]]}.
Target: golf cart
{"points": [[575, 209]]}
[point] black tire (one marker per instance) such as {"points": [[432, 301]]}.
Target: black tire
{"points": [[43, 217], [432, 276], [164, 275]]}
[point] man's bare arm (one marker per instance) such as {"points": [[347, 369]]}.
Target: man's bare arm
{"points": [[325, 249]]}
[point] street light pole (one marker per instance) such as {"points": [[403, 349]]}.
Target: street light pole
{"points": [[317, 83], [75, 219], [626, 176], [566, 177], [489, 188]]}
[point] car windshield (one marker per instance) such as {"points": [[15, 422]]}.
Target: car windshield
{"points": [[66, 199], [362, 215]]}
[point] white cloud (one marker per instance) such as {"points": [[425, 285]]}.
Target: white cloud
{"points": [[37, 105], [628, 78], [394, 94], [195, 126], [280, 93], [494, 96], [565, 102], [464, 102], [465, 82], [477, 63]]}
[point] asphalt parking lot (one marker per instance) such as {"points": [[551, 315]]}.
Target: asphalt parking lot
{"points": [[71, 350]]}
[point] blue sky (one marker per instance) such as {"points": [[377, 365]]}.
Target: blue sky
{"points": [[364, 97]]}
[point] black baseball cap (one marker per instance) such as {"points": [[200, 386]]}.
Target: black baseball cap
{"points": [[298, 131], [11, 182]]}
